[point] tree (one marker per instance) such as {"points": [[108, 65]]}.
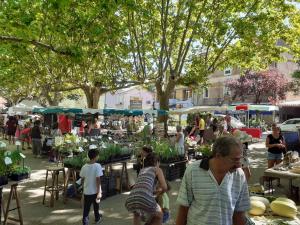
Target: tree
{"points": [[112, 44], [69, 45], [183, 41], [271, 85]]}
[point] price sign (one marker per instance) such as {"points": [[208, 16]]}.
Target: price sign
{"points": [[22, 155], [18, 143], [7, 161]]}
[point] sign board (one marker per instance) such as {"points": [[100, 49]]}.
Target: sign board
{"points": [[136, 103], [7, 161]]}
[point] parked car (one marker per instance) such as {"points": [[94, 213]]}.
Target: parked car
{"points": [[235, 123], [290, 125]]}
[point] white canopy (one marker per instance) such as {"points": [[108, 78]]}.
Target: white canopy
{"points": [[197, 109], [290, 103], [23, 107]]}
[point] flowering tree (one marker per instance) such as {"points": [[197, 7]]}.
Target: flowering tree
{"points": [[270, 84]]}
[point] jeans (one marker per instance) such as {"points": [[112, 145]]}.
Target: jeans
{"points": [[88, 201]]}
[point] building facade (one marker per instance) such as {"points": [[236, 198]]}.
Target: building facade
{"points": [[218, 94]]}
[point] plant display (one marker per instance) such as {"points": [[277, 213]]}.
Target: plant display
{"points": [[205, 150], [2, 164], [164, 150], [20, 170], [16, 157], [76, 161]]}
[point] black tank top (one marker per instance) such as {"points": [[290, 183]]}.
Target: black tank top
{"points": [[272, 140]]}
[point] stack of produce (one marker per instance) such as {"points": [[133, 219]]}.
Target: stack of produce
{"points": [[280, 206]]}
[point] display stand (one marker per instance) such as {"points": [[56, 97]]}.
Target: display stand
{"points": [[71, 179], [124, 172], [13, 194]]}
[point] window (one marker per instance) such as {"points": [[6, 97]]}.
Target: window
{"points": [[205, 93], [186, 94], [226, 91], [227, 71]]}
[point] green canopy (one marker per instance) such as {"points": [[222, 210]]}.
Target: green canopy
{"points": [[56, 110]]}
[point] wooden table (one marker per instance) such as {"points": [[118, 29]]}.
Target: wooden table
{"points": [[271, 172], [108, 167]]}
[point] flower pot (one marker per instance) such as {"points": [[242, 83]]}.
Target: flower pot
{"points": [[3, 180], [18, 177]]}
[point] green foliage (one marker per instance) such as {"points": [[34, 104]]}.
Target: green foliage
{"points": [[2, 164], [77, 161], [19, 170], [164, 150], [205, 150], [48, 47], [16, 157]]}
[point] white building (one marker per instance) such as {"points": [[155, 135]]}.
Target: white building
{"points": [[130, 98]]}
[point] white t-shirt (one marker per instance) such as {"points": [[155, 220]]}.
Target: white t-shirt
{"points": [[89, 172]]}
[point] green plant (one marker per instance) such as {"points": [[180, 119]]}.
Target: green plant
{"points": [[16, 157], [2, 164], [205, 150], [19, 170], [164, 150], [77, 161]]}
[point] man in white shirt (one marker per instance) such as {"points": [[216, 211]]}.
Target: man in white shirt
{"points": [[214, 190]]}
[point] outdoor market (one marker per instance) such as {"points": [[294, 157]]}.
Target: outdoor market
{"points": [[150, 112]]}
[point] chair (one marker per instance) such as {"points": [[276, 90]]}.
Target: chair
{"points": [[55, 186]]}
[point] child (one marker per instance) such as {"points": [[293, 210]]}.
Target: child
{"points": [[90, 175], [163, 201]]}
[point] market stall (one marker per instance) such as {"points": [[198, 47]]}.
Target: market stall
{"points": [[24, 107], [290, 173], [255, 132]]}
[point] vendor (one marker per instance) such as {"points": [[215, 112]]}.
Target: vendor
{"points": [[276, 146]]}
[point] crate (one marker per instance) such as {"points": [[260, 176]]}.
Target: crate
{"points": [[174, 170]]}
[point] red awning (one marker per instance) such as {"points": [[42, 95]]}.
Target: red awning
{"points": [[241, 107]]}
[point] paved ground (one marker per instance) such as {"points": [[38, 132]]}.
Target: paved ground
{"points": [[35, 213]]}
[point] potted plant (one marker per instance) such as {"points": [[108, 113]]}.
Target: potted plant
{"points": [[3, 170], [19, 173]]}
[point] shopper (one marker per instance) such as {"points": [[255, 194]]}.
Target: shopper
{"points": [[90, 177], [276, 146], [36, 139], [141, 200], [25, 136], [11, 127], [179, 142], [214, 190]]}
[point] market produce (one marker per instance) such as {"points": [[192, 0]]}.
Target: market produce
{"points": [[284, 207], [257, 208], [261, 199], [285, 200]]}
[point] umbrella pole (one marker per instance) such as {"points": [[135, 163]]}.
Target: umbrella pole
{"points": [[248, 112]]}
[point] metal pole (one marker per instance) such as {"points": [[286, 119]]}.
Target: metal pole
{"points": [[248, 118]]}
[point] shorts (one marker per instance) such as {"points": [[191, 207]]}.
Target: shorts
{"points": [[201, 133], [272, 156]]}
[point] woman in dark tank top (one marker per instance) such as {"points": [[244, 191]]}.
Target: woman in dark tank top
{"points": [[276, 146]]}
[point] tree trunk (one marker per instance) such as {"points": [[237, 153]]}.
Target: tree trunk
{"points": [[163, 98], [92, 95], [53, 100]]}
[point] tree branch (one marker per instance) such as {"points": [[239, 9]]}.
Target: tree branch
{"points": [[35, 43]]}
